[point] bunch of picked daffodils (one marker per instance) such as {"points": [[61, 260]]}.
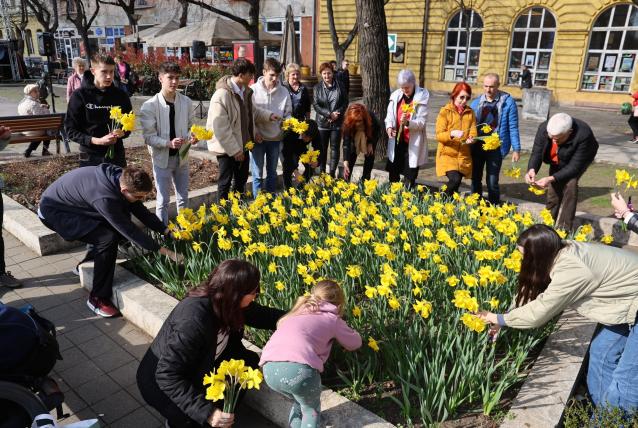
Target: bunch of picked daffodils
{"points": [[294, 125], [119, 120], [200, 133], [229, 378], [310, 156]]}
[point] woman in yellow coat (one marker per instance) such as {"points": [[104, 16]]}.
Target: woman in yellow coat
{"points": [[455, 131]]}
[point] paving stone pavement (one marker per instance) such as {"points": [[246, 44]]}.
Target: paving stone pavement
{"points": [[101, 356]]}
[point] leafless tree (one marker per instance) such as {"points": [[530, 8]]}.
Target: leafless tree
{"points": [[128, 6], [77, 11], [340, 48], [46, 12], [183, 19]]}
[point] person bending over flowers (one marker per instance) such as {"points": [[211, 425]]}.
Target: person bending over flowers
{"points": [[294, 356], [601, 283]]}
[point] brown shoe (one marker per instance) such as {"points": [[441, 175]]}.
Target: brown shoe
{"points": [[9, 281]]}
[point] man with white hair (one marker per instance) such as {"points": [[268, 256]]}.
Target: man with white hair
{"points": [[405, 125], [568, 146]]}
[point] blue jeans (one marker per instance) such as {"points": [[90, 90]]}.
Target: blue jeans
{"points": [[270, 150], [492, 161], [612, 376]]}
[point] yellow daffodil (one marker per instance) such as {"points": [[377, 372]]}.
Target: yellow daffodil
{"points": [[536, 190], [249, 145], [354, 271], [512, 172], [473, 322], [280, 286], [607, 239], [486, 129], [423, 308], [373, 344], [356, 312], [197, 247]]}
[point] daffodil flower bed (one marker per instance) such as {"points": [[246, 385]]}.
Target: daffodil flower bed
{"points": [[415, 266]]}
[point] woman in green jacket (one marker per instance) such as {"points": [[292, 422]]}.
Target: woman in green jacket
{"points": [[601, 283]]}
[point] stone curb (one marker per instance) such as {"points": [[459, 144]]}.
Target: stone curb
{"points": [[147, 307], [551, 382]]}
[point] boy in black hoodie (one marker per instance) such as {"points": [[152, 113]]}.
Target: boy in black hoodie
{"points": [[88, 115]]}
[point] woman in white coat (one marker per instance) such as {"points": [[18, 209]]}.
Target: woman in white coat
{"points": [[405, 125]]}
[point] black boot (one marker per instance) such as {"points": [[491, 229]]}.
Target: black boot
{"points": [[27, 153]]}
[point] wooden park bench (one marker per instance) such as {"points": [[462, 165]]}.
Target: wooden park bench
{"points": [[51, 126]]}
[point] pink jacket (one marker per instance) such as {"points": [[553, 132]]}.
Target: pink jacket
{"points": [[73, 82], [307, 338]]}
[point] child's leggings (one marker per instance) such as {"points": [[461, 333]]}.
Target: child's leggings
{"points": [[300, 382]]}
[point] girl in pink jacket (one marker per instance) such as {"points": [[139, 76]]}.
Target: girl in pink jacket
{"points": [[294, 356]]}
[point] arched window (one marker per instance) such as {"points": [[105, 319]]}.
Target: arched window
{"points": [[463, 46], [613, 47], [532, 44]]}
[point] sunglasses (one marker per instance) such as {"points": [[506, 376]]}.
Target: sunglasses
{"points": [[463, 97]]}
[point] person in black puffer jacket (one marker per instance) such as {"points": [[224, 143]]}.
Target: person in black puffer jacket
{"points": [[293, 146], [330, 103], [88, 115], [203, 330]]}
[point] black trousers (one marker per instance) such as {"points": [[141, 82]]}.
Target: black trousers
{"points": [[231, 171], [401, 165], [332, 138], [368, 163], [454, 182], [34, 145], [92, 159], [154, 396], [633, 123], [290, 156]]}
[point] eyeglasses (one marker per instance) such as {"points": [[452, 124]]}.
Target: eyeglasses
{"points": [[463, 97]]}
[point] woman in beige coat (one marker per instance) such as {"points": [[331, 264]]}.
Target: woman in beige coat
{"points": [[31, 106], [601, 283]]}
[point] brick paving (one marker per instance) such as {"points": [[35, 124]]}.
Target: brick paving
{"points": [[101, 356]]}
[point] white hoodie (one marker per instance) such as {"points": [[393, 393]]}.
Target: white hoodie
{"points": [[276, 100]]}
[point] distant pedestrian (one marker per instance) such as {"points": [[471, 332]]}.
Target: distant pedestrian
{"points": [[342, 75], [568, 146], [31, 106], [405, 125], [455, 131], [498, 110], [633, 117], [124, 75], [75, 80], [526, 78]]}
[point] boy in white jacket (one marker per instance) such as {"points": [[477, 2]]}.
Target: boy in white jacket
{"points": [[270, 95], [166, 121]]}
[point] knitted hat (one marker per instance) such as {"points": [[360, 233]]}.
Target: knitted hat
{"points": [[29, 88]]}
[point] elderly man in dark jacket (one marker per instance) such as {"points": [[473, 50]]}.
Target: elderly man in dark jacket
{"points": [[94, 204], [568, 146]]}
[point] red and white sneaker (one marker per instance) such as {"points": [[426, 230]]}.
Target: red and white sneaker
{"points": [[102, 307]]}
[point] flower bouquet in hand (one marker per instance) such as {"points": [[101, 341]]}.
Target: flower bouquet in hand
{"points": [[200, 133], [491, 141], [229, 378], [294, 125], [120, 123], [408, 110]]}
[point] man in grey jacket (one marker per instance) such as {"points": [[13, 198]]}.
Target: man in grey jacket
{"points": [[166, 121]]}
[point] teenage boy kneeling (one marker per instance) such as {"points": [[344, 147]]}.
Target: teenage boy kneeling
{"points": [[94, 205]]}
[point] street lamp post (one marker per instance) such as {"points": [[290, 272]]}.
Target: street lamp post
{"points": [[137, 32]]}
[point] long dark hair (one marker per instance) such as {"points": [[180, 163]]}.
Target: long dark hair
{"points": [[226, 286], [541, 245]]}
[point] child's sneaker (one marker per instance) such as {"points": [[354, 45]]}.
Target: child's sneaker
{"points": [[102, 307]]}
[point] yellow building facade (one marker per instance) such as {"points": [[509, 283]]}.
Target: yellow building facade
{"points": [[584, 52]]}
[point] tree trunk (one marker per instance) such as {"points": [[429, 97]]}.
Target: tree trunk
{"points": [[374, 60], [183, 19], [340, 48], [87, 46]]}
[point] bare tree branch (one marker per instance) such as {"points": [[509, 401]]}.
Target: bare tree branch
{"points": [[339, 48], [46, 12]]}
